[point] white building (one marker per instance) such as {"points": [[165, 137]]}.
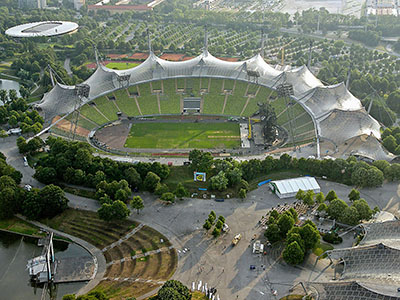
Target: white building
{"points": [[289, 187]]}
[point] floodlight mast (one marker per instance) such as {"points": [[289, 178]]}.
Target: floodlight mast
{"points": [[205, 38], [82, 91], [285, 90]]}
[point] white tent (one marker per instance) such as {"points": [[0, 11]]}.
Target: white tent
{"points": [[289, 187]]}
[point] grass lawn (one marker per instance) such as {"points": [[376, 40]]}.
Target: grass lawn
{"points": [[19, 226], [292, 297], [121, 65], [321, 248], [198, 296], [184, 135]]}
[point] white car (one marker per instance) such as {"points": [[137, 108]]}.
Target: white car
{"points": [[25, 162]]}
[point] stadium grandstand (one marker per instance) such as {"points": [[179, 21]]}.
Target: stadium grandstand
{"points": [[327, 113]]}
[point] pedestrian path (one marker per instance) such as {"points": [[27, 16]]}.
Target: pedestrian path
{"points": [[164, 249], [124, 238]]}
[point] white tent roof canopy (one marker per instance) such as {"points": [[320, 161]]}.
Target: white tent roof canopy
{"points": [[337, 115], [293, 185]]}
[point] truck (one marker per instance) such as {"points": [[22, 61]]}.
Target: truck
{"points": [[236, 239]]}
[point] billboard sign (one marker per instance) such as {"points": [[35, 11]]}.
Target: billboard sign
{"points": [[199, 176]]}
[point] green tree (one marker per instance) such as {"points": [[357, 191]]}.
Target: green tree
{"points": [[137, 203], [349, 216], [242, 193], [219, 224], [363, 209], [45, 175], [393, 172], [331, 196], [219, 182], [161, 189], [181, 191], [300, 195], [310, 236], [354, 195], [22, 146], [211, 217], [34, 145], [151, 181], [133, 177], [382, 164], [272, 233], [173, 290], [309, 198], [216, 232], [115, 211], [222, 219], [390, 143], [295, 237], [120, 210], [322, 207], [201, 161], [320, 198], [285, 223], [169, 197], [336, 208], [234, 176], [7, 199], [207, 225], [293, 254], [53, 200]]}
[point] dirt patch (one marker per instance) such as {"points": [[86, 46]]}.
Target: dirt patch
{"points": [[65, 125], [114, 136]]}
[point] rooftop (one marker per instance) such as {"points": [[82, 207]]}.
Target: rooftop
{"points": [[46, 28]]}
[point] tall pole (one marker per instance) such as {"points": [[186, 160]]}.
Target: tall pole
{"points": [[149, 41], [285, 90], [205, 38], [310, 55]]}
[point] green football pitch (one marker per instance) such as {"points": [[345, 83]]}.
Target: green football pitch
{"points": [[184, 135]]}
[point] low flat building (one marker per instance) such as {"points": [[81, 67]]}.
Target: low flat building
{"points": [[288, 188]]}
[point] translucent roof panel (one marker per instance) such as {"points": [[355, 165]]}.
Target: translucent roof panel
{"points": [[323, 99], [387, 233], [60, 100], [353, 290], [102, 81], [369, 261], [302, 80], [368, 146], [293, 185], [339, 126]]}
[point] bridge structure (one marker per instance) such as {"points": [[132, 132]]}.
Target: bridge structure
{"points": [[42, 268]]}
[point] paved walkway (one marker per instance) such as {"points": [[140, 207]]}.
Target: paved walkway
{"points": [[98, 257], [140, 255], [124, 238]]}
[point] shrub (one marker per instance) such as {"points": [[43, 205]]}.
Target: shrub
{"points": [[169, 197], [332, 238]]}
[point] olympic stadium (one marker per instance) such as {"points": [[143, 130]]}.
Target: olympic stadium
{"points": [[45, 28], [327, 118]]}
